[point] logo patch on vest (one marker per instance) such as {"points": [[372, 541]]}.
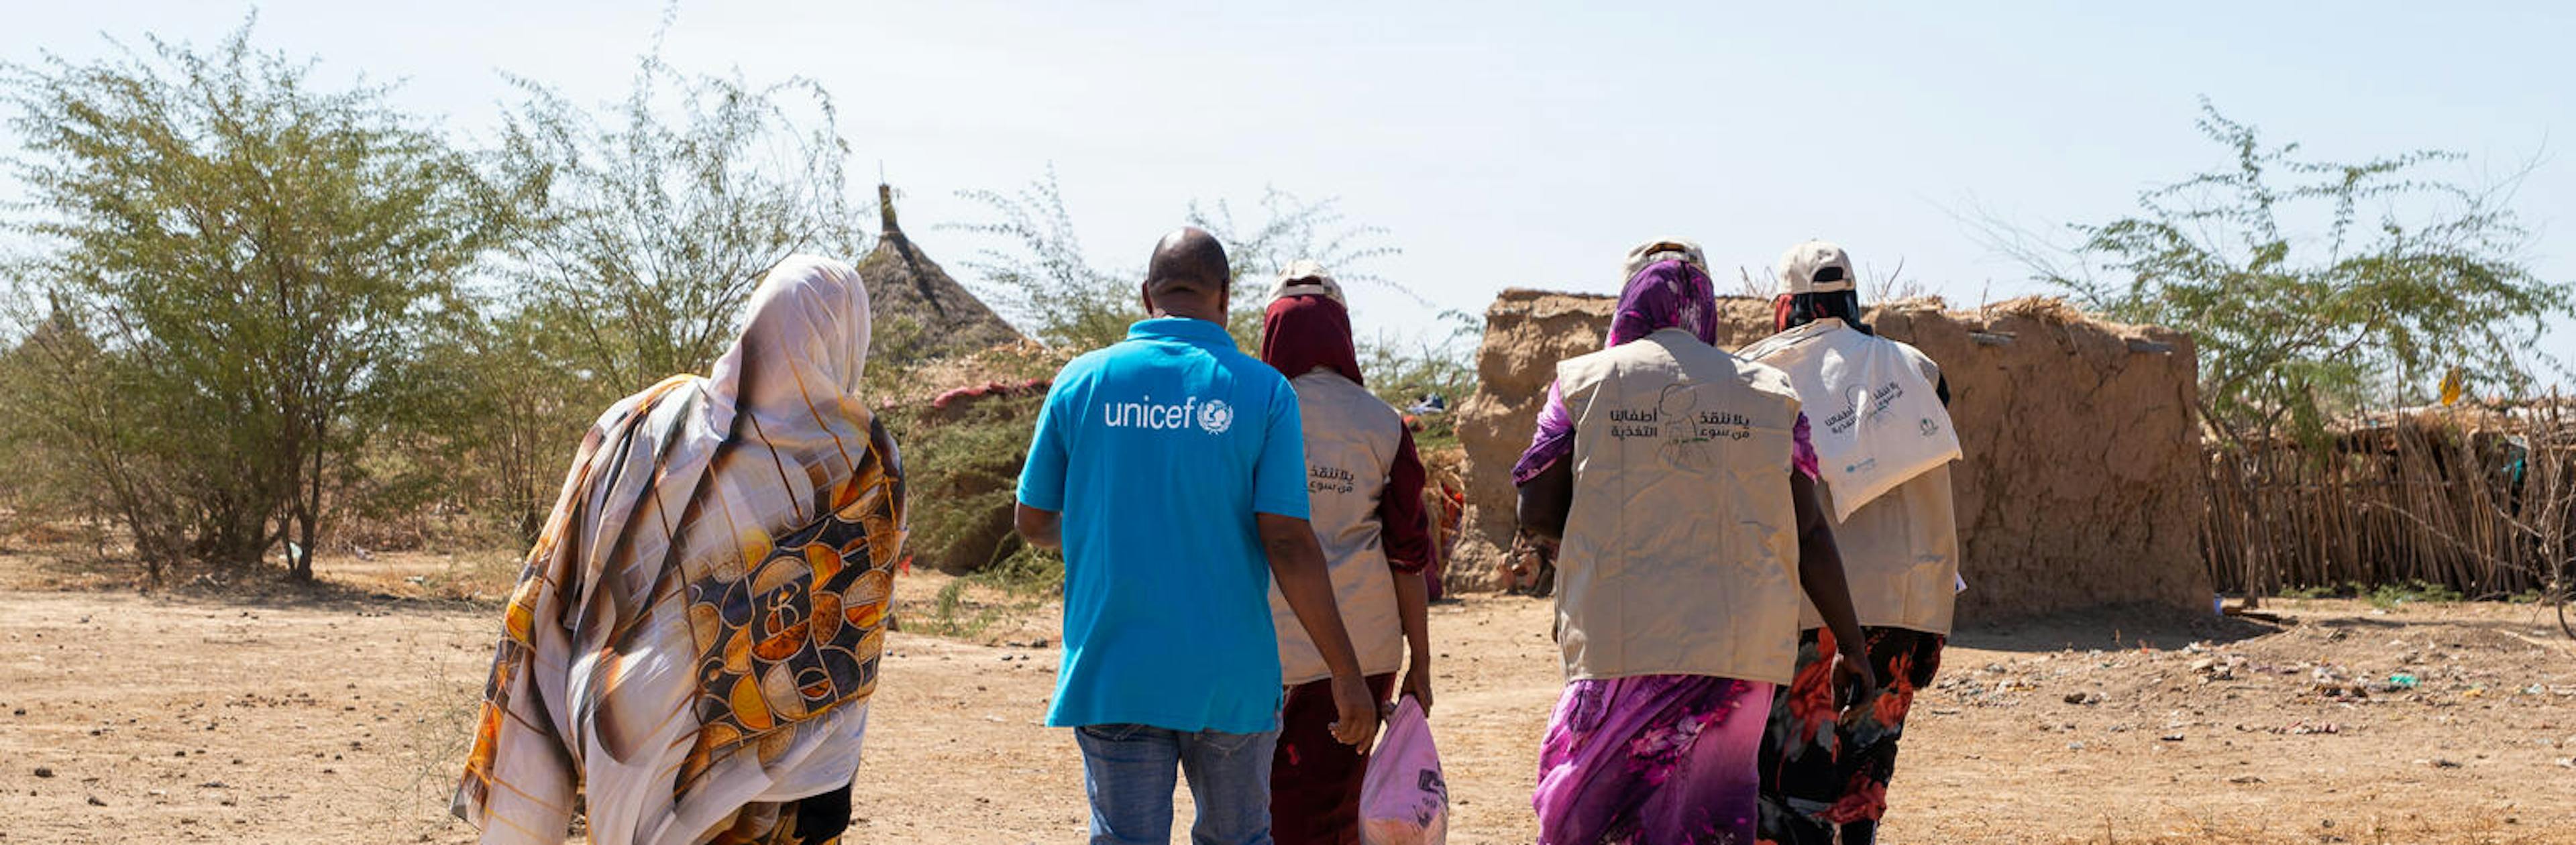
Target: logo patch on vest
{"points": [[1324, 479], [1861, 403], [1685, 431]]}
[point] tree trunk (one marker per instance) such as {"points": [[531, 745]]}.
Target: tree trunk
{"points": [[308, 506]]}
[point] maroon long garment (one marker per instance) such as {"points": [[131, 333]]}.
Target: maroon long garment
{"points": [[1314, 778]]}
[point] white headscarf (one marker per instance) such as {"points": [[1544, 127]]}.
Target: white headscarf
{"points": [[598, 681], [804, 345]]}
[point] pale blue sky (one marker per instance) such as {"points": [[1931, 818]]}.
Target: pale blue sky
{"points": [[1517, 144]]}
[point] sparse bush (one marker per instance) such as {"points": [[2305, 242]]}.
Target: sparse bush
{"points": [[1291, 229], [1440, 362], [1043, 279], [2310, 288], [2389, 596], [647, 227], [963, 463], [1040, 276], [952, 617], [1026, 571]]}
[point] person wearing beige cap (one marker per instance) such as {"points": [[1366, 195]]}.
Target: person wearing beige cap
{"points": [[1364, 491], [1683, 250], [1531, 565], [1824, 779]]}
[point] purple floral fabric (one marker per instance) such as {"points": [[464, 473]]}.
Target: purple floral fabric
{"points": [[1652, 759], [1665, 295], [1802, 451], [1553, 440]]}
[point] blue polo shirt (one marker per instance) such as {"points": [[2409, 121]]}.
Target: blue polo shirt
{"points": [[1158, 451]]}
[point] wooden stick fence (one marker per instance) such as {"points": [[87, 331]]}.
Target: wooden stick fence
{"points": [[2481, 502]]}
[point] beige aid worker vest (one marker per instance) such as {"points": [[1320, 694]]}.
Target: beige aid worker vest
{"points": [[1351, 441], [1901, 557], [1901, 551], [1680, 555]]}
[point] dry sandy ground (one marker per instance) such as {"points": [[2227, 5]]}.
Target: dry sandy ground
{"points": [[339, 715]]}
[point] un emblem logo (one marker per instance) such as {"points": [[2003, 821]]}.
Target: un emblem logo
{"points": [[1216, 416]]}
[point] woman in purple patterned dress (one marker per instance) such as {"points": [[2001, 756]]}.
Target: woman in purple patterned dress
{"points": [[1665, 471]]}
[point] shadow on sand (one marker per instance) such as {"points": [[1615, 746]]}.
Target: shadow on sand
{"points": [[250, 587], [2111, 628]]}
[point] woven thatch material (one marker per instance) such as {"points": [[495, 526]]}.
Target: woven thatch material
{"points": [[920, 312]]}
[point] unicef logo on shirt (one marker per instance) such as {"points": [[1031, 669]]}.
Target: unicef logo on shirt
{"points": [[1213, 416], [1216, 416]]}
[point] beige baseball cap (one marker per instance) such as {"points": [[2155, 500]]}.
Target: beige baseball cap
{"points": [[1664, 249], [1306, 277], [1802, 264]]}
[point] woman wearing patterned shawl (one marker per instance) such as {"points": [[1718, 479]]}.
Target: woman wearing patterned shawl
{"points": [[1673, 478], [692, 643]]}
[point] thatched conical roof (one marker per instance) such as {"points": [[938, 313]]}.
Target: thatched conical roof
{"points": [[920, 312]]}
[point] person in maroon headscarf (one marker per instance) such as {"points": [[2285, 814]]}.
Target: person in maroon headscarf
{"points": [[1364, 485]]}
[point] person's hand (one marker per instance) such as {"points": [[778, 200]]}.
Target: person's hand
{"points": [[1852, 674], [1358, 710], [1417, 682], [1517, 567], [1528, 562]]}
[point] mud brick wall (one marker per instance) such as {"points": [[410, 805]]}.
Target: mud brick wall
{"points": [[2082, 482]]}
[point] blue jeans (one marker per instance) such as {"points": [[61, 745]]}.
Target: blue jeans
{"points": [[1128, 769]]}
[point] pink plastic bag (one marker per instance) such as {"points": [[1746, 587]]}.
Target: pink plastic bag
{"points": [[1403, 800]]}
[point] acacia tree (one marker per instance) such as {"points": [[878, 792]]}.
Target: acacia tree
{"points": [[650, 222], [1291, 229], [241, 267], [1439, 362], [514, 404], [65, 463], [1041, 276], [2311, 286]]}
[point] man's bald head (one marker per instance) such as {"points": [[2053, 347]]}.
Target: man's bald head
{"points": [[1189, 276]]}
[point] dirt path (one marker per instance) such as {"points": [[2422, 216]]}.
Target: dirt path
{"points": [[204, 719]]}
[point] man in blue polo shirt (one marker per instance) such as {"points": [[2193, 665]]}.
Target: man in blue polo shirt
{"points": [[1171, 469]]}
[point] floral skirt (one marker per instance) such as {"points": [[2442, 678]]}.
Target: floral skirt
{"points": [[1652, 760], [1820, 776]]}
